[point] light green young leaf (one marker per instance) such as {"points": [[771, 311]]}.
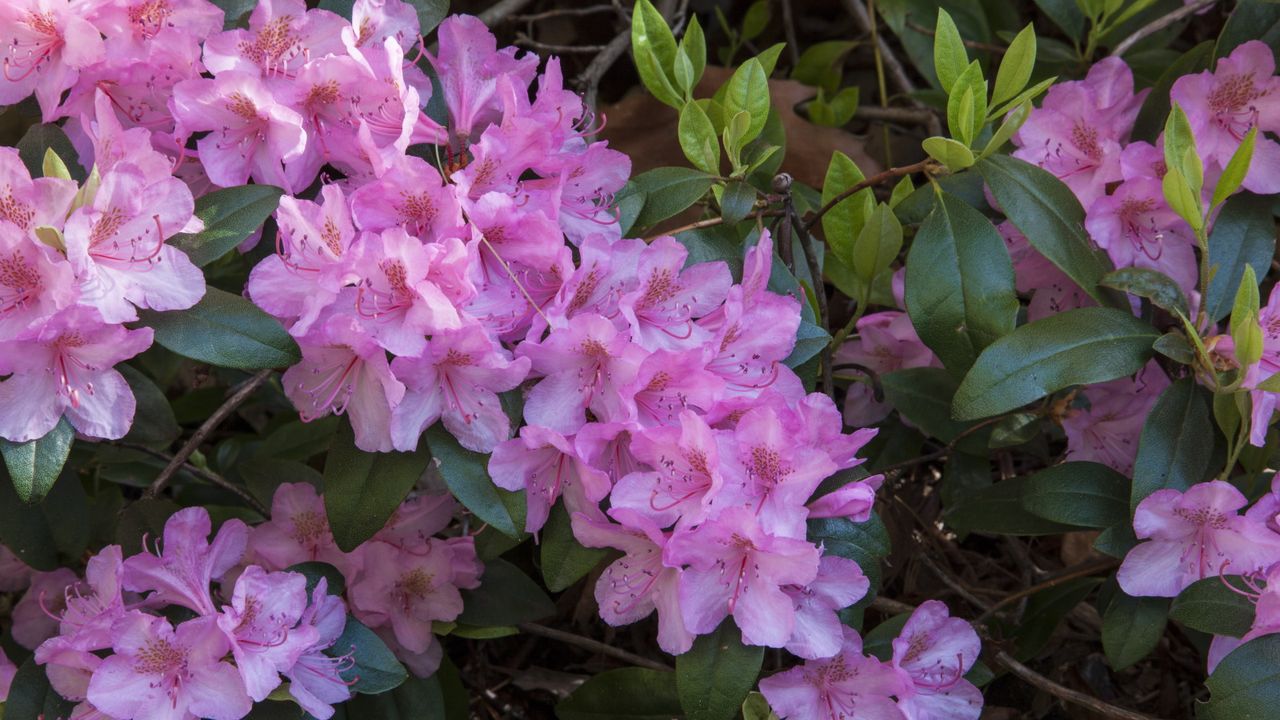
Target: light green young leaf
{"points": [[877, 245], [654, 49], [1237, 168], [1182, 199], [694, 46], [734, 132], [1245, 331], [698, 138], [1180, 149], [949, 56], [953, 154], [756, 20], [1007, 128], [1015, 68], [967, 104], [842, 224], [683, 73], [1029, 94], [53, 166], [820, 64], [748, 90]]}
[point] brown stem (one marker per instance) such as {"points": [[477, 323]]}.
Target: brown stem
{"points": [[1159, 24], [1031, 677], [877, 179], [943, 451], [205, 430], [500, 11], [587, 643], [1071, 573], [712, 222], [208, 476]]}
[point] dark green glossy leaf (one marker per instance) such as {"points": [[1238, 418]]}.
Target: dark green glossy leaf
{"points": [[1210, 606], [865, 543], [376, 669], [467, 475], [336, 584], [1084, 494], [230, 215], [923, 396], [998, 510], [668, 191], [1176, 445], [623, 694], [154, 423], [34, 466], [1045, 610], [1251, 20], [362, 489], [32, 698], [41, 534], [264, 475], [506, 596], [715, 675], [1155, 286], [1132, 627], [1246, 684], [959, 284], [224, 330], [564, 559], [39, 138], [737, 201], [1049, 215], [1244, 233], [1156, 107]]}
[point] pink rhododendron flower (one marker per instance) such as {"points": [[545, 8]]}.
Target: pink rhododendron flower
{"points": [[260, 626], [1193, 535], [413, 196], [398, 302], [28, 203], [34, 283], [283, 35], [1107, 431], [297, 532], [159, 673], [469, 64], [186, 563], [544, 464], [407, 591], [932, 652], [7, 671], [1137, 228], [853, 501], [886, 341], [47, 42], [779, 477], [35, 617], [662, 310], [67, 368], [818, 630], [638, 583], [734, 567], [1241, 93], [315, 680], [849, 686]]}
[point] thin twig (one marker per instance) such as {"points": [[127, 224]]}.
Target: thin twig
{"points": [[864, 21], [1071, 573], [789, 29], [1159, 24], [207, 475], [877, 179], [712, 222], [587, 643], [501, 11], [944, 450], [526, 41], [205, 430], [1031, 677], [819, 288], [989, 47], [559, 12], [915, 116], [588, 81]]}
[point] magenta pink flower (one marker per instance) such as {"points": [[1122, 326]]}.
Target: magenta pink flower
{"points": [[544, 464], [604, 273], [1077, 131], [397, 301], [1191, 536], [413, 196], [186, 563], [469, 64], [1241, 93], [283, 36], [586, 365], [1107, 431], [35, 617], [312, 260], [686, 483], [932, 652], [662, 310], [7, 671], [344, 371], [734, 567], [67, 367], [754, 337], [780, 477], [373, 21], [117, 246], [849, 686], [1138, 229], [638, 583], [315, 680], [607, 447], [46, 44], [457, 379], [853, 501], [505, 232], [886, 341], [260, 626], [406, 590], [35, 282], [158, 673], [28, 203], [133, 27], [667, 383], [251, 133], [839, 584], [297, 532], [96, 603]]}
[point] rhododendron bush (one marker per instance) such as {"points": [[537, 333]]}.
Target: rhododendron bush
{"points": [[348, 368]]}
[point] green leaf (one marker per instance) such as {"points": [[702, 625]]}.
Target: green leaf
{"points": [[1211, 607], [973, 303], [1027, 95], [564, 559], [39, 534], [1083, 494], [623, 694], [950, 59], [53, 167], [31, 697], [1251, 20], [865, 543], [1174, 346], [375, 669], [756, 19], [1153, 285], [153, 422], [1180, 151], [313, 571], [506, 596], [923, 396], [224, 330], [1244, 233], [1066, 15], [821, 64], [34, 466], [1077, 347], [1246, 684], [748, 91], [1245, 332], [654, 49], [967, 105], [755, 707], [694, 47], [668, 191], [1007, 128], [264, 475], [714, 677], [41, 138], [698, 138], [738, 200], [413, 699], [1132, 628], [1237, 168], [842, 223], [1049, 215], [466, 474], [1176, 445], [298, 440], [1182, 198], [1016, 66], [362, 489], [998, 509], [951, 153], [230, 215], [877, 247]]}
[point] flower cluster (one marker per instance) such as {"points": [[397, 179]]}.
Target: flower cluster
{"points": [[111, 641], [76, 263], [925, 678]]}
